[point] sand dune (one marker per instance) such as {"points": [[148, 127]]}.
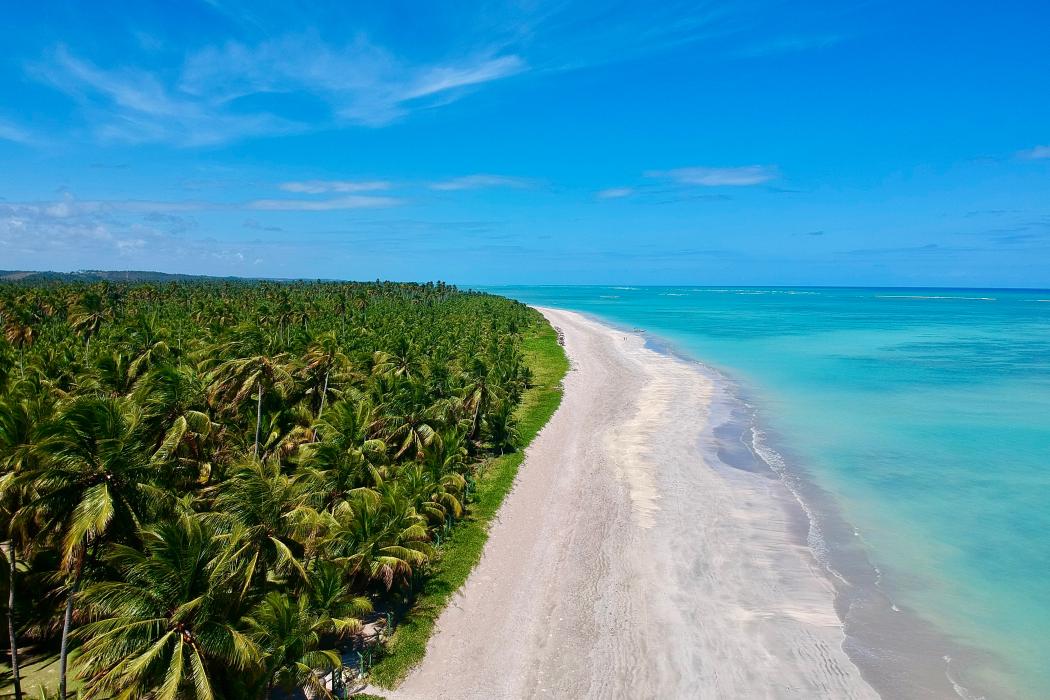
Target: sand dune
{"points": [[628, 563]]}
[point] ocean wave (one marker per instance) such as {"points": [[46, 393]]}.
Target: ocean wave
{"points": [[815, 539], [755, 291], [959, 689], [919, 296]]}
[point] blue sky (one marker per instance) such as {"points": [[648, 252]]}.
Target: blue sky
{"points": [[755, 142]]}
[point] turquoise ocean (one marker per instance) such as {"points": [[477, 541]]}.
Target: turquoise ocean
{"points": [[921, 417]]}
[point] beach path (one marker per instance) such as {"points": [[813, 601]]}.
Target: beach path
{"points": [[628, 563]]}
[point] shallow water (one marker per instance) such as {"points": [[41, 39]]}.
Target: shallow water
{"points": [[923, 418]]}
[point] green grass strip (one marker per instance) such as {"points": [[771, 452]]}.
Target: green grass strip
{"points": [[462, 551]]}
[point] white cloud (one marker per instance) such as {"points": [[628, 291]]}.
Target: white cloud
{"points": [[479, 181], [57, 231], [348, 202], [70, 207], [615, 193], [718, 177], [1037, 153], [324, 186], [103, 235]]}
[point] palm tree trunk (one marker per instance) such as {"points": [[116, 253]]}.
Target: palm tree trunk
{"points": [[64, 652], [474, 421], [15, 680], [258, 420], [67, 623], [264, 573], [324, 393]]}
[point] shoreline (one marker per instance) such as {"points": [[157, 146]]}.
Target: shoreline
{"points": [[629, 561], [898, 652]]}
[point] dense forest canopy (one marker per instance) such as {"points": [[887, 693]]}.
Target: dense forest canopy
{"points": [[210, 489]]}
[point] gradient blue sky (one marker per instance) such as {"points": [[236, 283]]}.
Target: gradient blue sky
{"points": [[756, 142]]}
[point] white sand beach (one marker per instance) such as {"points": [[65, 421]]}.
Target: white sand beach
{"points": [[625, 564]]}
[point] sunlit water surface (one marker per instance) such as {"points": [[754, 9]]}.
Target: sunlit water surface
{"points": [[925, 414]]}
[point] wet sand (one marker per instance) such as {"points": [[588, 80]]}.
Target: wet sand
{"points": [[629, 561]]}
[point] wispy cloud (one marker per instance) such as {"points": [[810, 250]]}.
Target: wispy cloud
{"points": [[16, 134], [356, 83], [1017, 232], [325, 186], [69, 206], [359, 81], [479, 181], [134, 106], [303, 76], [347, 202], [1037, 153], [439, 79], [718, 177], [615, 193]]}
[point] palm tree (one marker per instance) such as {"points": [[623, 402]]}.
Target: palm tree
{"points": [[330, 594], [401, 362], [348, 458], [20, 332], [407, 423], [235, 379], [360, 459], [184, 448], [18, 420], [433, 494], [447, 454], [8, 549], [148, 344], [168, 625], [290, 634], [258, 508], [113, 373], [478, 394], [322, 358], [87, 315], [379, 537], [502, 428], [93, 477]]}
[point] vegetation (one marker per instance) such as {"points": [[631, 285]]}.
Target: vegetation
{"points": [[231, 489], [462, 551]]}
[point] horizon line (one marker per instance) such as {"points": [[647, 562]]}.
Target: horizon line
{"points": [[474, 285]]}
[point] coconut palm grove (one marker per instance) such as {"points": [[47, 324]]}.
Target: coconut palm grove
{"points": [[245, 489]]}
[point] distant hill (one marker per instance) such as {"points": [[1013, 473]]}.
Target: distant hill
{"points": [[100, 275]]}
